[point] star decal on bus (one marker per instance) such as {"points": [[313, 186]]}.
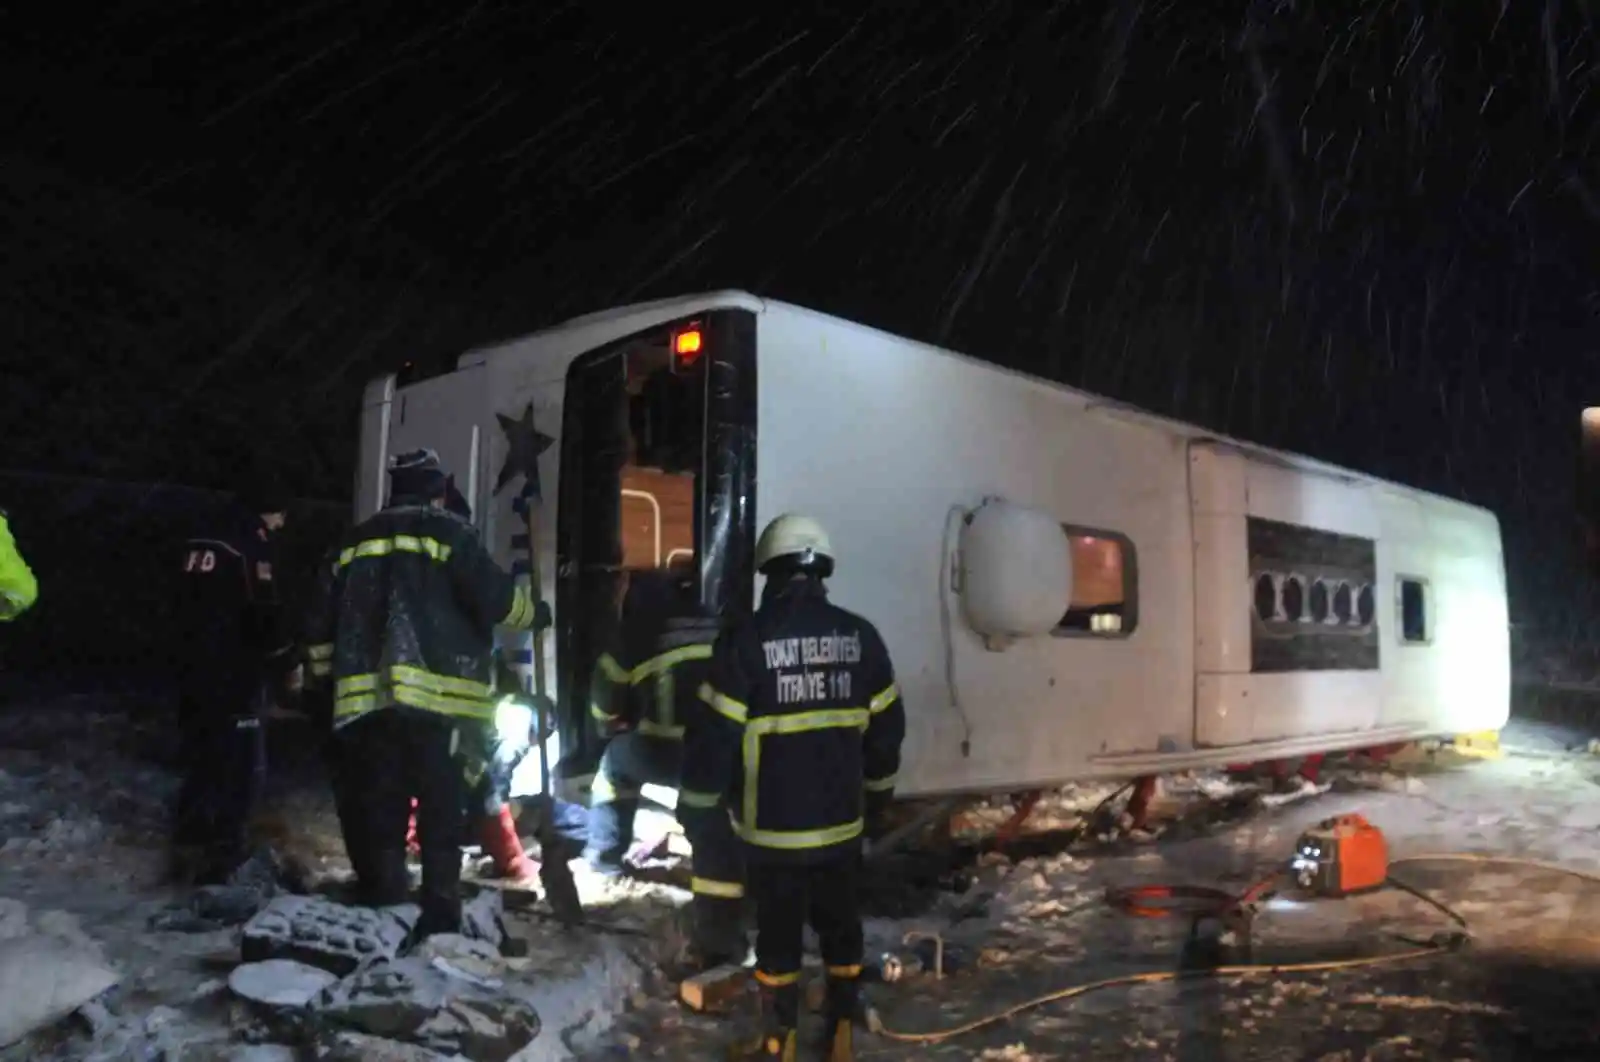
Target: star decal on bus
{"points": [[524, 444]]}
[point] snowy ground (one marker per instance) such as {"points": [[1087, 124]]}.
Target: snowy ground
{"points": [[1528, 986], [81, 821]]}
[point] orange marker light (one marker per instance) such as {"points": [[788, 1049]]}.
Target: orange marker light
{"points": [[686, 343]]}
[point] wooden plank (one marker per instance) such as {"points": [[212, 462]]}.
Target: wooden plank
{"points": [[714, 989]]}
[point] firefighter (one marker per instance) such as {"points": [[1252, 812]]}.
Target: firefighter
{"points": [[234, 650], [18, 588], [803, 750], [408, 628], [489, 807], [635, 702], [646, 702]]}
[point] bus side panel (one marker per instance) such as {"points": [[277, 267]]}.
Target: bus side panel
{"points": [[449, 415], [372, 448], [888, 442]]}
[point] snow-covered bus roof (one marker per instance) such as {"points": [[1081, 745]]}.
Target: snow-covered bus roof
{"points": [[604, 326]]}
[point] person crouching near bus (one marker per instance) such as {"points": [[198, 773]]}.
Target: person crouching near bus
{"points": [[646, 699], [802, 749]]}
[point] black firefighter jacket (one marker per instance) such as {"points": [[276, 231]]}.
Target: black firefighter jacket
{"points": [[405, 615], [230, 614], [805, 732], [652, 682]]}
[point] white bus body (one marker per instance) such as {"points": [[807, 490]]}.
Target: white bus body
{"points": [[1220, 602]]}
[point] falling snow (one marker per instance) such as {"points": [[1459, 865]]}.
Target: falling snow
{"points": [[1363, 231]]}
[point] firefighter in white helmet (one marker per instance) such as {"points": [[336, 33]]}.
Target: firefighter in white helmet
{"points": [[803, 753]]}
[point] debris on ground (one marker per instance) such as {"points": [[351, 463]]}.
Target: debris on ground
{"points": [[333, 936], [48, 969], [268, 968]]}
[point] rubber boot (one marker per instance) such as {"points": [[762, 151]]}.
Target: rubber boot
{"points": [[841, 1012], [500, 840], [780, 1012]]}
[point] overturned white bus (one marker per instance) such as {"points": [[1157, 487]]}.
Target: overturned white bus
{"points": [[1070, 588]]}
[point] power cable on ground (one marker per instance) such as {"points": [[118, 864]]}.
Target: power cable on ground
{"points": [[1155, 901]]}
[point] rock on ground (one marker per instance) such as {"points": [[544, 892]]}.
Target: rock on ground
{"points": [[428, 1002], [358, 1047], [279, 982], [325, 934], [483, 917], [48, 969]]}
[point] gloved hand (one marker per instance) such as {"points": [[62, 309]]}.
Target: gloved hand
{"points": [[542, 615]]}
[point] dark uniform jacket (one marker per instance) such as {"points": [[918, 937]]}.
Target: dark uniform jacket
{"points": [[652, 682], [406, 615], [230, 615], [806, 727]]}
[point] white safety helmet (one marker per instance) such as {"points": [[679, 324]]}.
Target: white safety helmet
{"points": [[798, 539]]}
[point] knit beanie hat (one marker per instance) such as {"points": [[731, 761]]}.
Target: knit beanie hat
{"points": [[417, 474]]}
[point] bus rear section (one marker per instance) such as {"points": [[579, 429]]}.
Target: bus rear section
{"points": [[657, 469]]}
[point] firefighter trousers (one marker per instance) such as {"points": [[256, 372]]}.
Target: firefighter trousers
{"points": [[385, 758], [787, 897], [630, 761], [717, 887], [224, 752]]}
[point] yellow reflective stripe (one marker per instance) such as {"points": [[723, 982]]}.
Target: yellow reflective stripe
{"points": [[724, 704], [804, 722], [660, 668], [651, 728], [796, 723], [670, 659], [844, 973], [692, 798], [727, 890], [777, 980], [520, 614], [794, 840], [612, 670], [600, 713], [411, 675], [879, 785], [411, 697], [888, 696], [383, 547], [355, 684], [321, 668], [320, 651]]}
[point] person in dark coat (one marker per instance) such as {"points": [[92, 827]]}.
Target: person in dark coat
{"points": [[234, 651], [408, 629]]}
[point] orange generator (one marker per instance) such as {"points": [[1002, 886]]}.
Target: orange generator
{"points": [[1341, 856]]}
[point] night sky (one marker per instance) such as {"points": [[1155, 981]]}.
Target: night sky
{"points": [[1364, 231]]}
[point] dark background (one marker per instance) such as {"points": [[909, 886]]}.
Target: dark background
{"points": [[1363, 231]]}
